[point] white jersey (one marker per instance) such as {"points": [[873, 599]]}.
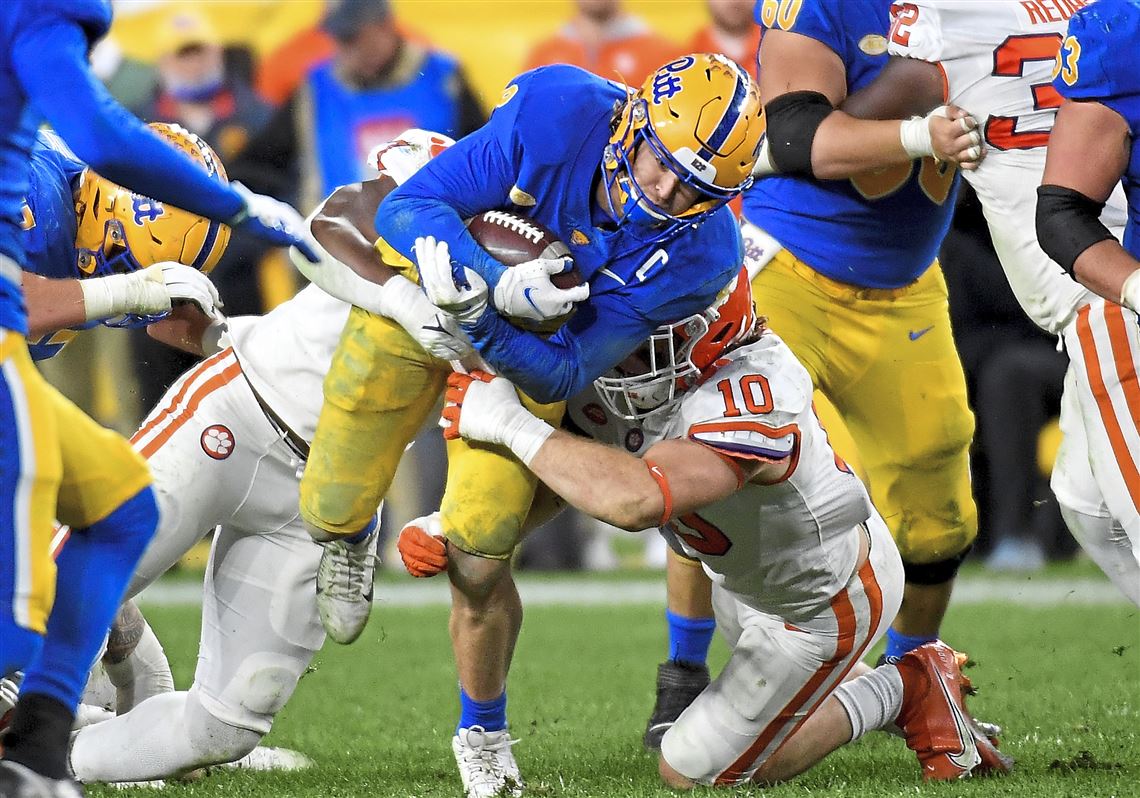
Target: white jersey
{"points": [[286, 353], [997, 58], [784, 548]]}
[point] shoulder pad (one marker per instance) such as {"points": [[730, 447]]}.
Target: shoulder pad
{"points": [[752, 406]]}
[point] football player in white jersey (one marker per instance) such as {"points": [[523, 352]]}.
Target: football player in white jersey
{"points": [[708, 432], [997, 59], [227, 445]]}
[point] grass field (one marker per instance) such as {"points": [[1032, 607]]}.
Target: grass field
{"points": [[1062, 677]]}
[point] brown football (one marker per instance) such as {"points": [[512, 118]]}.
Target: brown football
{"points": [[513, 239]]}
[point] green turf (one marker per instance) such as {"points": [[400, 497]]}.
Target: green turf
{"points": [[377, 716]]}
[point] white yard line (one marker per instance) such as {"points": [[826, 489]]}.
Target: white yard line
{"points": [[584, 591]]}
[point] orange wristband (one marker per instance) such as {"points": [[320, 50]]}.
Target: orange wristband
{"points": [[666, 494]]}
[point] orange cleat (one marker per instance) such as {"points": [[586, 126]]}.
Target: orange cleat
{"points": [[938, 727]]}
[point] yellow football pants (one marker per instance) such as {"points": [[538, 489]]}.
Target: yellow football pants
{"points": [[30, 473], [886, 360], [380, 389], [101, 469]]}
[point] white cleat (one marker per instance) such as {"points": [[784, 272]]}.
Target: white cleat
{"points": [[88, 714], [265, 758], [344, 586], [486, 764]]}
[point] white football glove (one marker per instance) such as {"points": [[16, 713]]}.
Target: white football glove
{"points": [[465, 302], [480, 407], [525, 291], [187, 284], [272, 221], [435, 330], [149, 292]]}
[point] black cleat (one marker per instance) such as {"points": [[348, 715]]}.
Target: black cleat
{"points": [[678, 685]]}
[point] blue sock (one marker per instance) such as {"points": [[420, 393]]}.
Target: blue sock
{"points": [[91, 576], [18, 646], [363, 534], [689, 638], [899, 644], [491, 715]]}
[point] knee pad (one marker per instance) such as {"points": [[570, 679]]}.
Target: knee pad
{"points": [[255, 692], [214, 739], [935, 573]]}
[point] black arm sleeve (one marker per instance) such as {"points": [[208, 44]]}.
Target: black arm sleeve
{"points": [[793, 120], [1068, 223]]}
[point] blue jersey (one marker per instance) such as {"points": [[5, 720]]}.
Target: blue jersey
{"points": [[19, 119], [540, 156], [1100, 61], [49, 221], [880, 229], [44, 75]]}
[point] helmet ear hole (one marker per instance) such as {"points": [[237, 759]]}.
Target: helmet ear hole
{"points": [[126, 231]]}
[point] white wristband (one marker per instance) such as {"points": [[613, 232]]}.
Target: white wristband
{"points": [[914, 134], [216, 337], [339, 280], [142, 292], [1130, 292], [526, 436], [403, 301]]}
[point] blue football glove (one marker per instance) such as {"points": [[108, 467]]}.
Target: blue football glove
{"points": [[273, 222]]}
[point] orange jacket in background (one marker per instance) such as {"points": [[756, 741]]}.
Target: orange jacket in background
{"points": [[281, 71], [707, 40], [628, 52]]}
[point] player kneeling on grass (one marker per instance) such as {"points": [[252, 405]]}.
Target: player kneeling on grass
{"points": [[721, 449]]}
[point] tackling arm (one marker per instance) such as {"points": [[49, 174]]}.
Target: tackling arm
{"points": [[352, 270], [676, 476], [804, 81], [1088, 153]]}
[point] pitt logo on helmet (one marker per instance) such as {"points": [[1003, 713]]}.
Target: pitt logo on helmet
{"points": [[119, 231], [701, 117]]}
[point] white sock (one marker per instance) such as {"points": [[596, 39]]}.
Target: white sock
{"points": [[1106, 543], [873, 700], [143, 674], [164, 736]]}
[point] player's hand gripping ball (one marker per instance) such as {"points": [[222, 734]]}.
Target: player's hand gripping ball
{"points": [[539, 290]]}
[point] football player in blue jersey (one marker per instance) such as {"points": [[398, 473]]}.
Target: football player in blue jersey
{"points": [[841, 244], [1095, 144], [97, 253], [45, 75], [636, 185]]}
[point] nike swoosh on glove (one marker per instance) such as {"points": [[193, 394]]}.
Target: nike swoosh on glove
{"points": [[526, 292]]}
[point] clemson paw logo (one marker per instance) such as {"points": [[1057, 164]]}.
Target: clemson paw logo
{"points": [[217, 441]]}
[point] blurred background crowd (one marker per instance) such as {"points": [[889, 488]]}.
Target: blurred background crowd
{"points": [[293, 95]]}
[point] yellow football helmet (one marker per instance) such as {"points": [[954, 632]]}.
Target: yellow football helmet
{"points": [[701, 116], [120, 231]]}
